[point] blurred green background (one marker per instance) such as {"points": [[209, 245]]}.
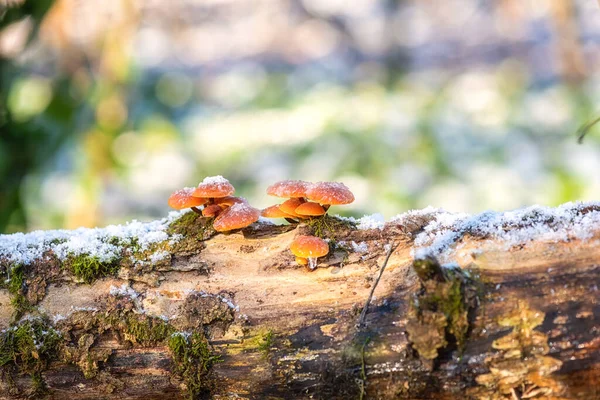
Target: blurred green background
{"points": [[108, 107]]}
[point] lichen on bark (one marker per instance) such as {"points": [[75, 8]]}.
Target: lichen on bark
{"points": [[439, 311]]}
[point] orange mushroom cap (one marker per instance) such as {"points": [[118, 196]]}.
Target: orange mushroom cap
{"points": [[301, 260], [228, 201], [309, 247], [330, 193], [211, 210], [183, 199], [310, 209], [288, 188], [214, 186], [289, 206], [238, 216], [274, 212]]}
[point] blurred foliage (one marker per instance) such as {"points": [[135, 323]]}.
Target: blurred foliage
{"points": [[28, 140], [109, 107]]}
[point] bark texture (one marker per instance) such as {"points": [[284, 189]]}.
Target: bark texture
{"points": [[232, 316]]}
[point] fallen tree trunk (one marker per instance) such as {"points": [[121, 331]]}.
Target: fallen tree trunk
{"points": [[510, 312]]}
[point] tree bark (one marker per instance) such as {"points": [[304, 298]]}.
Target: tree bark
{"points": [[515, 323]]}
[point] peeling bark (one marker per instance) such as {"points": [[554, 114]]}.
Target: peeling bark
{"points": [[273, 329]]}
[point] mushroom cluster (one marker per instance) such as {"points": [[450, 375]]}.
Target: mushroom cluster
{"points": [[305, 199], [214, 193]]}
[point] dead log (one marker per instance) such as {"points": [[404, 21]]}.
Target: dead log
{"points": [[498, 305]]}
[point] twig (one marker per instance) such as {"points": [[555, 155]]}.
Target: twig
{"points": [[583, 130], [363, 314], [363, 373]]}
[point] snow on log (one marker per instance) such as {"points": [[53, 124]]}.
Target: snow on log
{"points": [[430, 304]]}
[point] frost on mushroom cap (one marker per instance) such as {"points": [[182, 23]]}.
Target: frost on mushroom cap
{"points": [[288, 188], [274, 212], [214, 186], [238, 216], [183, 199], [309, 247], [310, 209], [330, 193]]}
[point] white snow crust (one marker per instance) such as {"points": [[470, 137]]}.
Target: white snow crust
{"points": [[105, 244]]}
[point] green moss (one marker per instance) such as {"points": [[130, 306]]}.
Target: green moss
{"points": [[146, 330], [88, 268], [193, 229], [327, 226], [16, 287], [439, 312], [27, 348], [192, 225], [428, 269], [193, 361], [265, 342]]}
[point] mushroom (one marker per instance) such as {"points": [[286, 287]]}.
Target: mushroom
{"points": [[214, 187], [329, 193], [217, 192], [308, 248], [184, 198], [290, 205], [274, 212], [295, 191], [288, 189], [309, 209], [238, 216], [228, 201], [211, 210]]}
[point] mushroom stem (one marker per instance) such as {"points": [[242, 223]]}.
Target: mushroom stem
{"points": [[326, 206], [292, 221], [196, 210]]}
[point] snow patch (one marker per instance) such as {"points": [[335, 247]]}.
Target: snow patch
{"points": [[516, 227], [225, 300], [159, 256], [373, 221], [124, 290], [58, 317], [105, 244], [361, 247], [183, 334]]}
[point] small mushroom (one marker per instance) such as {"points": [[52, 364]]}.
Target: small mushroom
{"points": [[216, 190], [308, 248], [289, 206], [228, 201], [295, 190], [309, 209], [330, 193], [213, 187], [183, 198], [274, 212], [211, 210], [238, 216]]}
